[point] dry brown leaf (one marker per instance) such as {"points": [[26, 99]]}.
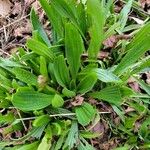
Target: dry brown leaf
{"points": [[5, 6], [144, 3], [111, 41], [77, 101], [16, 8], [134, 85], [20, 31], [148, 78]]}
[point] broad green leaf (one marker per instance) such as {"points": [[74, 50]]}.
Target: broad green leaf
{"points": [[31, 100], [73, 47], [85, 113], [40, 49], [124, 14], [41, 120], [61, 71], [57, 101], [37, 26], [136, 48], [95, 10], [72, 137], [25, 76], [87, 83], [68, 93], [112, 94], [32, 146], [54, 17], [106, 76]]}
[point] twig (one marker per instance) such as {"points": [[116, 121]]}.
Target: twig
{"points": [[24, 17], [21, 120], [5, 52], [57, 115]]}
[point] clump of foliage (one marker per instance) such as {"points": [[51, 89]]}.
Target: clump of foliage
{"points": [[46, 89]]}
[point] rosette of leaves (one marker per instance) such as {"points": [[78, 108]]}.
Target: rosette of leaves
{"points": [[52, 83]]}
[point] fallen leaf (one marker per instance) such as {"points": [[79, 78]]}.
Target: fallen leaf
{"points": [[20, 31], [144, 3], [134, 85], [16, 10], [110, 42], [78, 101], [148, 78], [102, 55], [4, 7]]}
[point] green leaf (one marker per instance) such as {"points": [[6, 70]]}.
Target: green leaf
{"points": [[8, 118], [85, 113], [82, 17], [53, 16], [84, 145], [95, 10], [41, 120], [89, 135], [73, 47], [65, 10], [40, 49], [57, 101], [106, 76], [124, 14], [37, 26], [87, 83], [137, 47], [43, 66], [72, 136], [68, 93], [31, 100], [32, 146], [25, 76], [112, 94], [45, 143], [61, 71]]}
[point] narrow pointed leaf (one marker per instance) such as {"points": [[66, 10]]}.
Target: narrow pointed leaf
{"points": [[95, 11], [74, 48], [61, 71], [40, 49], [37, 26], [137, 47], [53, 16]]}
